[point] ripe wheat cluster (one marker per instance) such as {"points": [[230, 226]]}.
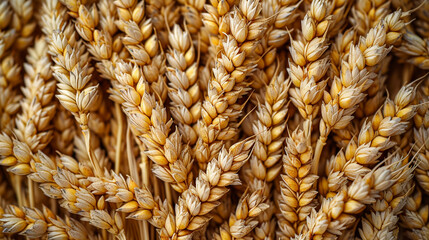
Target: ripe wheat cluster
{"points": [[214, 119]]}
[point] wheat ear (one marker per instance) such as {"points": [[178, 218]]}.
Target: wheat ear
{"points": [[72, 70], [414, 219], [415, 49], [142, 44], [35, 223], [220, 110], [367, 14], [338, 213], [297, 184], [23, 14], [374, 138], [184, 93], [382, 219], [356, 77], [9, 70], [32, 132], [307, 65]]}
